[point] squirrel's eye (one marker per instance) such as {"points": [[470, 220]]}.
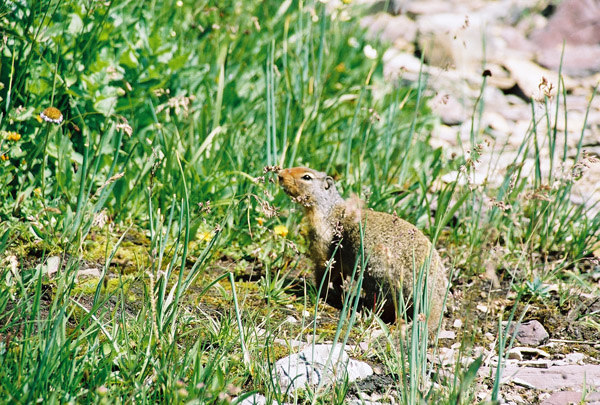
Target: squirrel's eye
{"points": [[306, 177]]}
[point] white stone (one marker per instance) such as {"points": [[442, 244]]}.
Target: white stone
{"points": [[256, 399], [290, 342], [529, 352], [51, 266], [553, 378], [291, 319], [575, 358], [318, 365], [91, 272], [390, 28], [447, 334]]}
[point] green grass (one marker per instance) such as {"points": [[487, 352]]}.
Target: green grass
{"points": [[171, 111]]}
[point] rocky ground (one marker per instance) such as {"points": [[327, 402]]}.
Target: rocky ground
{"points": [[552, 361], [515, 46], [512, 50]]}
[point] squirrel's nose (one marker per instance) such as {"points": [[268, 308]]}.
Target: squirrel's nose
{"points": [[280, 175]]}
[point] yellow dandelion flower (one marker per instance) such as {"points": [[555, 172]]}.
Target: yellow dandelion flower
{"points": [[260, 221], [340, 68], [52, 114], [13, 136], [4, 157], [204, 236], [280, 230], [37, 191]]}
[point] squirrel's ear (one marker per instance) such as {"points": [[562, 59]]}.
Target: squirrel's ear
{"points": [[328, 182]]}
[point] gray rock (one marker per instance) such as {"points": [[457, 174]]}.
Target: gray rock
{"points": [[513, 43], [553, 378], [515, 355], [256, 399], [449, 108], [499, 77], [432, 7], [390, 28], [452, 41], [528, 76], [89, 272], [527, 353], [575, 397], [578, 60], [397, 63], [536, 363], [51, 266], [309, 367], [575, 358], [388, 6], [575, 22], [447, 334], [531, 333]]}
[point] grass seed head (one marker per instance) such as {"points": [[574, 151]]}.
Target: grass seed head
{"points": [[268, 210], [125, 127], [273, 169]]}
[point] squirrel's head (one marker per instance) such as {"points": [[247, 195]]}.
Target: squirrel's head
{"points": [[309, 187]]}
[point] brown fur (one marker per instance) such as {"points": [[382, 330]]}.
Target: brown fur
{"points": [[391, 246]]}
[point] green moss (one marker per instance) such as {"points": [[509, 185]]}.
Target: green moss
{"points": [[130, 255], [32, 250], [277, 351], [88, 287]]}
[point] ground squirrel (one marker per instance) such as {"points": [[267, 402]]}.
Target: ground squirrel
{"points": [[391, 246]]}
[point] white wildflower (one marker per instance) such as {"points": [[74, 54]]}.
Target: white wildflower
{"points": [[370, 52]]}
